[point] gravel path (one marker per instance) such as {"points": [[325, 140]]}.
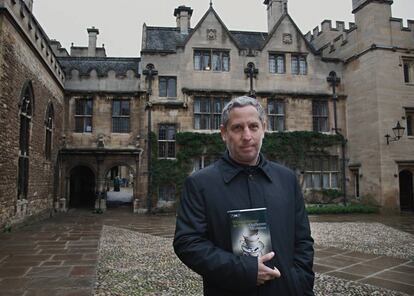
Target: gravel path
{"points": [[374, 238], [133, 263]]}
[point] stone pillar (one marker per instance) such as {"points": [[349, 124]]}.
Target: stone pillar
{"points": [[100, 202]]}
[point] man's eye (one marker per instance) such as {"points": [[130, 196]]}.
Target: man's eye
{"points": [[237, 128], [254, 127]]}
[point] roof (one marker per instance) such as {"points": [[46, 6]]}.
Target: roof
{"points": [[168, 39], [101, 65], [163, 39]]}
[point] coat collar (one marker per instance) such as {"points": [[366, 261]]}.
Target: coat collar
{"points": [[231, 169]]}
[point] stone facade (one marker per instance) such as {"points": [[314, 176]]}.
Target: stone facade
{"points": [[373, 57], [27, 65]]}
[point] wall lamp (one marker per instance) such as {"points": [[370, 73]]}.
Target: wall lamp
{"points": [[398, 131]]}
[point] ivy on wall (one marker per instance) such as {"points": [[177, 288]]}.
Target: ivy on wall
{"points": [[289, 148]]}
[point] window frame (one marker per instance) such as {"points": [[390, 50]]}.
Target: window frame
{"points": [[274, 57], [121, 117], [317, 118], [302, 63], [169, 151], [318, 172], [165, 92], [171, 191], [203, 60], [84, 116], [213, 116], [272, 118]]}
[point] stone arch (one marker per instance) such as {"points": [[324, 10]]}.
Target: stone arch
{"points": [[406, 190], [119, 184]]}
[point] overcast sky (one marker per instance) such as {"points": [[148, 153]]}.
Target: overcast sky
{"points": [[120, 22]]}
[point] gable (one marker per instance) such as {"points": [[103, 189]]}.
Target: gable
{"points": [[287, 37], [211, 32]]}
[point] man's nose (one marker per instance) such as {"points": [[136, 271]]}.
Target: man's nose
{"points": [[247, 135]]}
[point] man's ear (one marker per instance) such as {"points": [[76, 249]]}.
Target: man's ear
{"points": [[223, 132]]}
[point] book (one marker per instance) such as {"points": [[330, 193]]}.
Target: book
{"points": [[250, 234]]}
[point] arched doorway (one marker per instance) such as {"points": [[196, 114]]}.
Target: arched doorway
{"points": [[119, 186], [406, 191], [82, 187]]}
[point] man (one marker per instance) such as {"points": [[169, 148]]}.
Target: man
{"points": [[244, 179]]}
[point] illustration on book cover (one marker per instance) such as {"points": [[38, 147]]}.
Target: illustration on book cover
{"points": [[250, 233]]}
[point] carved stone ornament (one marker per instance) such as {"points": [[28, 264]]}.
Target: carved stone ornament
{"points": [[287, 38], [211, 34]]}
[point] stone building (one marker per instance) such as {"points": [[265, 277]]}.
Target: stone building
{"points": [[104, 108], [31, 104]]}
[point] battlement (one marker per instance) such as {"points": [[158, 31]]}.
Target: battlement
{"points": [[398, 23], [34, 33], [327, 29]]}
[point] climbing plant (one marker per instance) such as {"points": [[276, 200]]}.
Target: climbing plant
{"points": [[290, 148]]}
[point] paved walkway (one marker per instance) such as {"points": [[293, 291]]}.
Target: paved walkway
{"points": [[59, 256]]}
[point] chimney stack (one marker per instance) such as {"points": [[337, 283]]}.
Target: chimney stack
{"points": [[275, 10], [29, 4], [93, 33], [183, 15]]}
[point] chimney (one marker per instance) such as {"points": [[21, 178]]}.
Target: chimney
{"points": [[93, 33], [29, 4], [275, 10], [183, 15]]}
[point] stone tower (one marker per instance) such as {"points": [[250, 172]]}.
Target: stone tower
{"points": [[275, 10]]}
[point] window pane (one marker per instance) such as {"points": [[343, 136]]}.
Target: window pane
{"points": [[171, 133], [271, 107], [226, 61], [406, 73], [88, 107], [162, 87], [308, 180], [295, 66], [325, 181], [197, 121], [162, 149], [316, 180], [88, 124], [197, 60], [217, 106], [125, 107], [172, 87], [280, 106], [197, 105], [302, 66], [206, 61], [205, 122], [216, 61], [162, 134], [280, 64], [334, 180], [116, 107], [410, 124], [272, 64], [216, 121], [171, 149], [280, 124]]}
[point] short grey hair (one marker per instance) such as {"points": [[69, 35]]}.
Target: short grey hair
{"points": [[242, 102]]}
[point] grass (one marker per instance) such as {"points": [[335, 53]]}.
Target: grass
{"points": [[321, 209]]}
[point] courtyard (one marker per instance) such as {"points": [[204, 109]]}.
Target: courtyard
{"points": [[121, 253]]}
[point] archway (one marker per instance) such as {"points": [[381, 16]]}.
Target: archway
{"points": [[119, 186], [82, 187], [406, 191]]}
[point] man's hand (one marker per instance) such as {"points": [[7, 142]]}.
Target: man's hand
{"points": [[265, 273]]}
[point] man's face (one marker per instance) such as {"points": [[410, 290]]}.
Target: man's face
{"points": [[243, 134]]}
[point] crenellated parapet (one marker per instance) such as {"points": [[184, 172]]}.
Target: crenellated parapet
{"points": [[402, 36], [327, 33], [31, 30]]}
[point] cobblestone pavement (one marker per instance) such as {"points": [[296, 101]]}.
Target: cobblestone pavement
{"points": [[59, 256]]}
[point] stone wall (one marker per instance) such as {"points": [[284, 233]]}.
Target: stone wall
{"points": [[20, 64]]}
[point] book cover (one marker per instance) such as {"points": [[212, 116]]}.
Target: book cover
{"points": [[250, 232]]}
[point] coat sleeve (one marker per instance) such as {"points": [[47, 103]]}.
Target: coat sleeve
{"points": [[193, 247], [303, 256]]}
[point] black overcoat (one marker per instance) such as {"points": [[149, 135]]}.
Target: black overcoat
{"points": [[202, 237]]}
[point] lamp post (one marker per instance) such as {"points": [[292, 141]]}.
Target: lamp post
{"points": [[251, 72], [334, 80], [150, 72], [398, 131]]}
